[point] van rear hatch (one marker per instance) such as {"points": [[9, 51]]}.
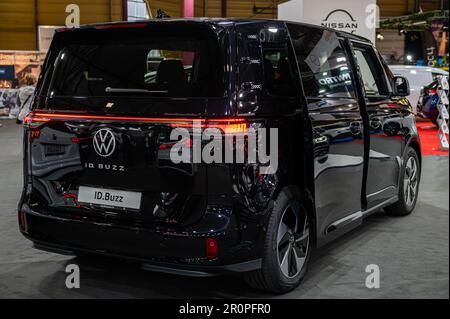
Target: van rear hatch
{"points": [[108, 99]]}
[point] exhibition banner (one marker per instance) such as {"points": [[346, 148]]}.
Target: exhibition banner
{"points": [[359, 17]]}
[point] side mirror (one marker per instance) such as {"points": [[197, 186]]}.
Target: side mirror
{"points": [[401, 86]]}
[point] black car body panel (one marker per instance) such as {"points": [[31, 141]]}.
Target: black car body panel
{"points": [[341, 146]]}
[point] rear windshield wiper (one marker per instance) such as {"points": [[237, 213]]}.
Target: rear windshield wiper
{"points": [[125, 90]]}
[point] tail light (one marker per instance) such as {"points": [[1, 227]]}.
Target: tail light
{"points": [[32, 120], [233, 127], [212, 248], [431, 91], [23, 222], [228, 126], [35, 134]]}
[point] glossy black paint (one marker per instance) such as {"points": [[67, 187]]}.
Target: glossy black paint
{"points": [[343, 154]]}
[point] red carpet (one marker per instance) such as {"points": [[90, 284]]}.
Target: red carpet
{"points": [[429, 138]]}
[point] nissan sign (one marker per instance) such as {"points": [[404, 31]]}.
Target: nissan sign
{"points": [[341, 20], [359, 17]]}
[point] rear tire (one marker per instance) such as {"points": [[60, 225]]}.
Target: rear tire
{"points": [[287, 247], [409, 186]]}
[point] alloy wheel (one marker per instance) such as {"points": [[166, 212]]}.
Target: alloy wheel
{"points": [[292, 240], [410, 181]]}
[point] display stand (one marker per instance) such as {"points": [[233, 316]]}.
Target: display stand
{"points": [[442, 119]]}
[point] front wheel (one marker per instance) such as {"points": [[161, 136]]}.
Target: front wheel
{"points": [[287, 246], [409, 186]]}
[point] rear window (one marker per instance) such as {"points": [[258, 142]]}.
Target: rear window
{"points": [[149, 62]]}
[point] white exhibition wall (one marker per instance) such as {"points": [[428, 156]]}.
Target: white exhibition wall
{"points": [[354, 16]]}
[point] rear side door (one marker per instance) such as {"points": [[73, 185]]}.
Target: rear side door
{"points": [[337, 127], [385, 116]]}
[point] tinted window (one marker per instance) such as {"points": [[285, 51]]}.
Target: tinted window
{"points": [[372, 72], [322, 62], [278, 73], [100, 70], [387, 72], [369, 82], [155, 64]]}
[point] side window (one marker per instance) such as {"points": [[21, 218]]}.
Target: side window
{"points": [[323, 63], [371, 71], [387, 72], [278, 75], [369, 82]]}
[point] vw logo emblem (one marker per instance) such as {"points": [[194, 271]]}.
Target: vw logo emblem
{"points": [[104, 142]]}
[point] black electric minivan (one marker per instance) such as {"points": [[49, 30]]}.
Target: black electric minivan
{"points": [[98, 179]]}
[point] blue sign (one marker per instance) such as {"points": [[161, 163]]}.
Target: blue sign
{"points": [[7, 72]]}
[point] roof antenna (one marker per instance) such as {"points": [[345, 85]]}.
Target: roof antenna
{"points": [[161, 14]]}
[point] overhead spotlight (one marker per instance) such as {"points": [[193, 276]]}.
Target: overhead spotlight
{"points": [[401, 29]]}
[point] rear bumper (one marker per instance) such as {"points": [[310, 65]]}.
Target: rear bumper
{"points": [[178, 252], [169, 268]]}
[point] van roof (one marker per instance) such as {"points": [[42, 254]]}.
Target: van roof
{"points": [[223, 22]]}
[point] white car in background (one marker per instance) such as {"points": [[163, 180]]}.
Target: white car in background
{"points": [[418, 77]]}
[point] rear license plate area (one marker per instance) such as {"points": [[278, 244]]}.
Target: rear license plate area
{"points": [[109, 197], [54, 149]]}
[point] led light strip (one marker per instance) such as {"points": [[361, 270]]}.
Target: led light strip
{"points": [[233, 125]]}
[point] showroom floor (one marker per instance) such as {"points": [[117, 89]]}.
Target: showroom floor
{"points": [[412, 253]]}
